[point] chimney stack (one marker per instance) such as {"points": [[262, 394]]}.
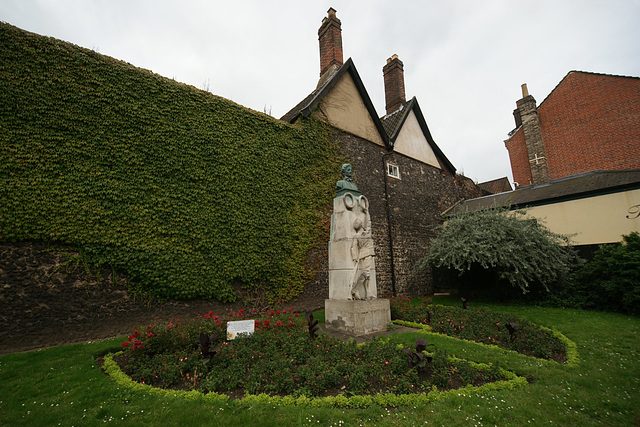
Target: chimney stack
{"points": [[527, 115], [394, 93], [330, 37]]}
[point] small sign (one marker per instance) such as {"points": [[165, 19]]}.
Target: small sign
{"points": [[240, 327]]}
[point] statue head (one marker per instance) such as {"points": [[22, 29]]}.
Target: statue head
{"points": [[357, 224], [346, 170]]}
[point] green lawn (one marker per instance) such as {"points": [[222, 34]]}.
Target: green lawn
{"points": [[65, 386]]}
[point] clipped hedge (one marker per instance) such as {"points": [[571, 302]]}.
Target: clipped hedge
{"points": [[511, 382], [186, 192]]}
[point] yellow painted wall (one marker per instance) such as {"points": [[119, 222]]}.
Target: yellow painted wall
{"points": [[412, 142], [343, 108], [600, 219]]}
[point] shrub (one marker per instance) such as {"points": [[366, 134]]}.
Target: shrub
{"points": [[504, 248], [610, 281]]}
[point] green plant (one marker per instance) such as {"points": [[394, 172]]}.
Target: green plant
{"points": [[418, 359], [610, 281], [141, 173], [505, 247]]}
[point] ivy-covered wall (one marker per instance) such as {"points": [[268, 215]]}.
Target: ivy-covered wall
{"points": [[186, 192]]}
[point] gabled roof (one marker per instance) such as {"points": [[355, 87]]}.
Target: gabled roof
{"points": [[513, 131], [393, 123], [496, 186], [307, 105], [580, 186]]}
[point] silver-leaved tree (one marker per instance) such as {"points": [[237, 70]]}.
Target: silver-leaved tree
{"points": [[503, 247]]}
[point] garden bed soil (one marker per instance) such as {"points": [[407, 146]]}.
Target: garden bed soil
{"points": [[47, 299]]}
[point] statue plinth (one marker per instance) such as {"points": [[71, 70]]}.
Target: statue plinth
{"points": [[357, 317]]}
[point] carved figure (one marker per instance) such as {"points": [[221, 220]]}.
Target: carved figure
{"points": [[362, 253]]}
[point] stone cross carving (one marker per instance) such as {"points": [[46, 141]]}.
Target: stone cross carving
{"points": [[351, 248], [537, 159]]}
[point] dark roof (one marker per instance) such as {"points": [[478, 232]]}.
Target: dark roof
{"points": [[393, 123], [496, 186], [584, 185], [327, 81]]}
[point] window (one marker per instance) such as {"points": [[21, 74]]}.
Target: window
{"points": [[393, 171]]}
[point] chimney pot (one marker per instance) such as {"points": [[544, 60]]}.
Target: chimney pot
{"points": [[525, 91], [394, 92], [330, 38]]}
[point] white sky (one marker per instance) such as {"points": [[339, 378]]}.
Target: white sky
{"points": [[464, 60]]}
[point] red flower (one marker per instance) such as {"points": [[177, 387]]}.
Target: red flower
{"points": [[150, 334], [126, 343], [297, 314], [215, 318], [278, 323]]}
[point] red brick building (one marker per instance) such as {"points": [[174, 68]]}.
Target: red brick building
{"points": [[588, 122]]}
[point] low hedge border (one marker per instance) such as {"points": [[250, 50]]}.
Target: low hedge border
{"points": [[382, 399], [573, 357]]}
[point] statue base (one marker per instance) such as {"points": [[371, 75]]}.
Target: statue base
{"points": [[358, 317]]}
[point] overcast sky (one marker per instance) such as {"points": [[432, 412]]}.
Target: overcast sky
{"points": [[464, 60]]}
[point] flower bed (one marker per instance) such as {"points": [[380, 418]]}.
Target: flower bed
{"points": [[483, 326], [282, 359]]}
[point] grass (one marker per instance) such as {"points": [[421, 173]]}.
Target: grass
{"points": [[65, 385]]}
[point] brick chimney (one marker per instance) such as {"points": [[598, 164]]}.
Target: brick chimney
{"points": [[394, 93], [330, 37], [527, 112]]}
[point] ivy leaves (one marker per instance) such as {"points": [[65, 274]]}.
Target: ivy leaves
{"points": [[183, 190]]}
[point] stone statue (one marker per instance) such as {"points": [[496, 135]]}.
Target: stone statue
{"points": [[353, 306], [362, 253], [346, 184]]}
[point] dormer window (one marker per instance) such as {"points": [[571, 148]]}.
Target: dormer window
{"points": [[393, 171]]}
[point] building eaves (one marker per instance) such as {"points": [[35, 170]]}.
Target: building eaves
{"points": [[307, 105], [427, 133], [584, 185], [393, 125]]}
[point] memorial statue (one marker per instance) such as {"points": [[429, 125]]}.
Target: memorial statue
{"points": [[353, 306], [346, 184], [362, 253]]}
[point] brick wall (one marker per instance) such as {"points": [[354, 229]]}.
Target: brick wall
{"points": [[330, 40], [519, 158], [416, 202], [589, 122]]}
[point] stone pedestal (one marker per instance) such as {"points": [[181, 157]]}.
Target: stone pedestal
{"points": [[357, 317]]}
